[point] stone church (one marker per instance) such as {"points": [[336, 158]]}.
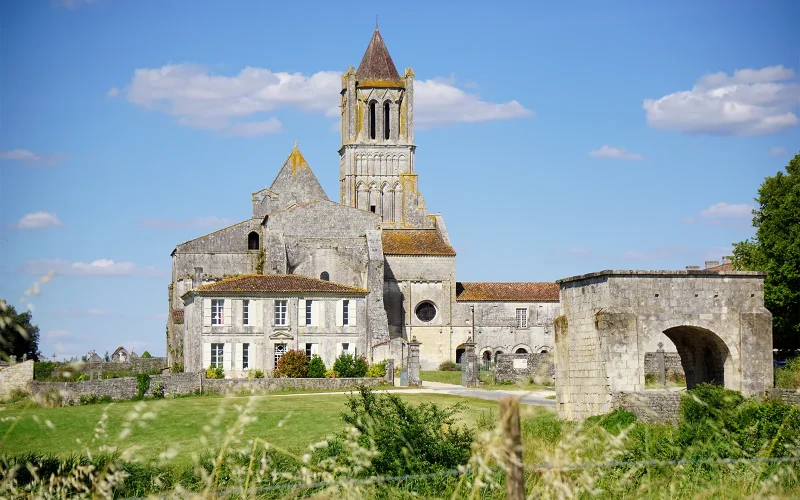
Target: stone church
{"points": [[362, 275]]}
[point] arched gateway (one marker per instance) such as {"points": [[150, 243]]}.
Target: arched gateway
{"points": [[716, 319]]}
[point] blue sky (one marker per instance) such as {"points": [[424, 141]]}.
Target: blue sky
{"points": [[556, 138]]}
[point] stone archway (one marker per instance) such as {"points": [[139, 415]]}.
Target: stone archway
{"points": [[703, 354]]}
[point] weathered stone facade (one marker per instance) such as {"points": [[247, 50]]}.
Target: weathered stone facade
{"points": [[716, 320], [16, 377], [535, 367]]}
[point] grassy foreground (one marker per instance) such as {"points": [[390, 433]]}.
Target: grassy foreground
{"points": [[186, 424]]}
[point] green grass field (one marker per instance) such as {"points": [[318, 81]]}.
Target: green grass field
{"points": [[290, 422], [486, 381]]}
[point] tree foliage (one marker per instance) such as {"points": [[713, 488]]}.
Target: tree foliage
{"points": [[776, 250], [316, 367], [293, 364], [18, 336]]}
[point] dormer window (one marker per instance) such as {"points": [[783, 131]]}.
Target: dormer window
{"points": [[253, 242], [386, 120]]}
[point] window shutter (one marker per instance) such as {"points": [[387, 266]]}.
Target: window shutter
{"points": [[226, 357], [352, 312], [314, 349], [301, 312], [227, 317], [237, 361], [256, 315], [207, 314], [317, 311], [206, 355], [339, 312]]}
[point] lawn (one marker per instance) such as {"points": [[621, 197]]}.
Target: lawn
{"points": [[441, 376], [446, 377], [189, 425]]}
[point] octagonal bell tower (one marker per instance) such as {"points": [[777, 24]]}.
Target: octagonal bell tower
{"points": [[376, 163]]}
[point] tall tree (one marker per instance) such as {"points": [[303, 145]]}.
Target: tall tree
{"points": [[776, 250], [18, 337]]}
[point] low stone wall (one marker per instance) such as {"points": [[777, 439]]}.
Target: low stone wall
{"points": [[789, 396], [15, 377], [672, 364], [188, 383], [655, 406], [136, 365], [521, 367]]}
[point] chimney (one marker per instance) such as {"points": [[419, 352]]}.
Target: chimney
{"points": [[727, 259], [692, 268], [198, 277], [712, 263]]}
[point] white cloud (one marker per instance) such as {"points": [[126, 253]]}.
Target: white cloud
{"points": [[199, 222], [727, 210], [200, 99], [33, 159], [38, 220], [112, 92], [777, 152], [751, 102], [615, 153], [99, 267], [58, 334]]}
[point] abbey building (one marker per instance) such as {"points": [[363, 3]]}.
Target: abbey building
{"points": [[362, 275]]}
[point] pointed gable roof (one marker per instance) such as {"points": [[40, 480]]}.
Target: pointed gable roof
{"points": [[296, 183], [377, 64]]}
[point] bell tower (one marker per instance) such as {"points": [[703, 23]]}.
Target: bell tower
{"points": [[376, 159]]}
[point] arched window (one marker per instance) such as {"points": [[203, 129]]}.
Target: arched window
{"points": [[372, 120], [521, 350], [253, 241], [386, 119], [325, 276]]}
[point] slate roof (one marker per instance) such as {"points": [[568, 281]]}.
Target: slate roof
{"points": [[415, 242], [377, 64], [275, 283], [507, 292]]}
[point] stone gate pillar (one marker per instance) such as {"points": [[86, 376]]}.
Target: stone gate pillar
{"points": [[662, 371], [389, 377], [469, 366], [413, 363]]}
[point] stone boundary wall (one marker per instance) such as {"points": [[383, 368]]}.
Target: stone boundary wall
{"points": [[672, 363], [136, 365], [789, 396], [15, 377], [654, 406], [521, 367], [188, 383]]}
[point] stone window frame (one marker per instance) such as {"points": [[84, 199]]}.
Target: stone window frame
{"points": [[309, 313], [280, 312], [246, 356], [246, 312], [521, 313], [217, 354], [217, 312], [345, 312]]}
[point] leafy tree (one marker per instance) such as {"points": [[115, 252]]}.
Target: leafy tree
{"points": [[316, 368], [776, 250], [348, 366], [18, 337], [146, 354]]}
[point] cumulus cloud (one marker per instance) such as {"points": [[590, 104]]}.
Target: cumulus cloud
{"points": [[200, 99], [727, 210], [198, 222], [112, 92], [32, 159], [751, 102], [99, 267], [777, 152], [619, 153], [38, 220]]}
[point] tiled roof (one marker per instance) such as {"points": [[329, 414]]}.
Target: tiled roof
{"points": [[377, 64], [415, 242], [507, 292], [722, 267], [271, 283]]}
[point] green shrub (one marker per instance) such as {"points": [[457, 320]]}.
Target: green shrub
{"points": [[349, 366], [650, 378], [331, 374], [316, 368], [377, 370], [90, 399], [146, 354], [614, 422], [217, 372], [142, 384], [788, 376], [449, 366], [293, 364], [255, 374], [410, 439], [176, 367], [158, 390]]}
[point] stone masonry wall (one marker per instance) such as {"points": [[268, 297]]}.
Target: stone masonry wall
{"points": [[789, 396], [521, 367], [672, 364], [188, 383], [15, 377], [650, 406], [136, 365]]}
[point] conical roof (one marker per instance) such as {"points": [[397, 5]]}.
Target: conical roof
{"points": [[377, 64]]}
